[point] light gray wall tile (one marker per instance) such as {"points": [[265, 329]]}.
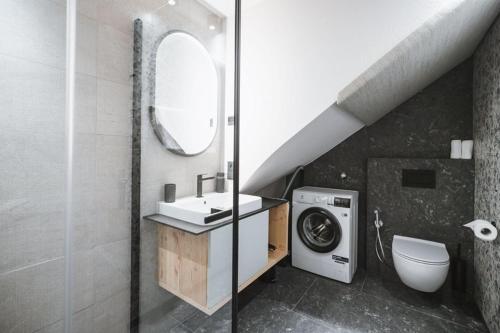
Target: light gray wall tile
{"points": [[34, 30], [114, 54], [111, 271], [57, 327], [83, 294], [39, 292], [32, 198], [7, 302], [112, 225], [85, 103], [121, 14], [38, 238], [32, 96], [83, 321], [113, 189], [114, 108], [112, 314], [86, 45]]}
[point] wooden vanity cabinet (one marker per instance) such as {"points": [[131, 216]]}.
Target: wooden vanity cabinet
{"points": [[197, 268]]}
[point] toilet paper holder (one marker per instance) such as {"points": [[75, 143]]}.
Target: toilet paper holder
{"points": [[482, 230], [493, 223]]}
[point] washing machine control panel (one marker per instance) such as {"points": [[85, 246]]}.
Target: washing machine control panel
{"points": [[315, 198], [342, 202]]}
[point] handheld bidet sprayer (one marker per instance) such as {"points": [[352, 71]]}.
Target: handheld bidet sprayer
{"points": [[378, 242], [378, 222]]}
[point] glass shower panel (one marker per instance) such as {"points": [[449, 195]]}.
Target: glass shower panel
{"points": [[33, 165], [184, 74]]}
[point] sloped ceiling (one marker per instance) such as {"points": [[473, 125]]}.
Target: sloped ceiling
{"points": [[299, 56], [296, 57], [319, 136], [441, 43]]}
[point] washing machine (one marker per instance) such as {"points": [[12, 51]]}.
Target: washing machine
{"points": [[325, 232]]}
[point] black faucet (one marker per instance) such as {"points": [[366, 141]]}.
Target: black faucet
{"points": [[199, 184]]}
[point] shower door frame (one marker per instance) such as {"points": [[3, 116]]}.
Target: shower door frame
{"points": [[236, 166]]}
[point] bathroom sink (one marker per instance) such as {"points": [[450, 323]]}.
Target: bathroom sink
{"points": [[212, 208]]}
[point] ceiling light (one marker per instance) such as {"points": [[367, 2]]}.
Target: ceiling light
{"points": [[172, 2], [211, 27]]}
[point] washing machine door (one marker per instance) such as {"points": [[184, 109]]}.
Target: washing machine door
{"points": [[319, 229]]}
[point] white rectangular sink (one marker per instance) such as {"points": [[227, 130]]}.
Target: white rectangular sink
{"points": [[212, 208]]}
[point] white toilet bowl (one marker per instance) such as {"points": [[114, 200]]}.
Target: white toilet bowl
{"points": [[422, 265]]}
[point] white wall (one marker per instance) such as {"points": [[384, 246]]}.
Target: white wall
{"points": [[296, 57]]}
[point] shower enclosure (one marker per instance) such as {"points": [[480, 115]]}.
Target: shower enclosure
{"points": [[82, 163]]}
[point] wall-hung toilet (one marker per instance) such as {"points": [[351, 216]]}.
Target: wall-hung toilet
{"points": [[421, 264]]}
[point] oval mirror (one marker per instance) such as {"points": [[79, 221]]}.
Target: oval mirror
{"points": [[184, 115]]}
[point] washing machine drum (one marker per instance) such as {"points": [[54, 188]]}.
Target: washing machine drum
{"points": [[319, 229]]}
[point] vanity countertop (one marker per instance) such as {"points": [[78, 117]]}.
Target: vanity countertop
{"points": [[195, 229]]}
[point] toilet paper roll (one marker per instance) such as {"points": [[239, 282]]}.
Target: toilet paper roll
{"points": [[467, 146], [483, 230], [456, 149]]}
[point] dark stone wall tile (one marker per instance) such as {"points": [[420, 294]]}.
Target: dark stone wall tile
{"points": [[432, 214], [422, 127], [486, 95]]}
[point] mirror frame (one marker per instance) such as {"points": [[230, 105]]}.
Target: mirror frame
{"points": [[162, 134]]}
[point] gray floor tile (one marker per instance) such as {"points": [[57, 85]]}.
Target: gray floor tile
{"points": [[303, 302], [179, 309], [158, 324], [268, 316], [354, 311], [453, 307], [195, 321], [357, 282], [219, 322], [167, 317], [180, 329], [290, 286]]}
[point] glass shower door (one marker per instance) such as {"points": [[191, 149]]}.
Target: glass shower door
{"points": [[181, 194], [82, 164]]}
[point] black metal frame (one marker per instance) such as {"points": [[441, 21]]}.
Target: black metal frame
{"points": [[236, 166]]}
